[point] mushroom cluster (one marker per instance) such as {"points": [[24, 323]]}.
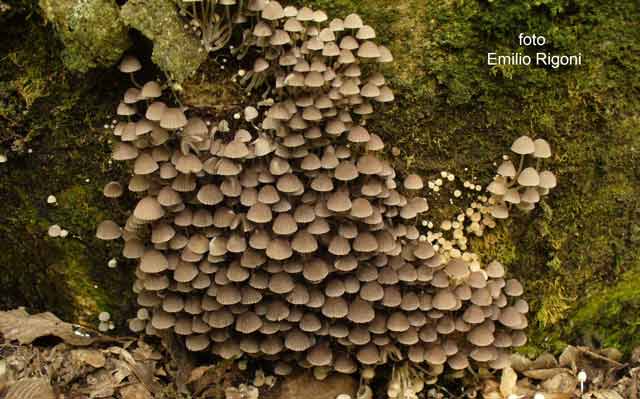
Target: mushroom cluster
{"points": [[287, 234], [522, 187]]}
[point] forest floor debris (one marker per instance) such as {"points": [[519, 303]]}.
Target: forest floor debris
{"points": [[46, 358]]}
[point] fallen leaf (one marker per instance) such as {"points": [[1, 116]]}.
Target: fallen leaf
{"points": [[31, 388], [25, 328], [508, 382], [543, 374], [606, 394], [92, 357], [135, 391], [304, 385], [560, 383]]}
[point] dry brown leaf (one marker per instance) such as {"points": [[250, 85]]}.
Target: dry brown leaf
{"points": [[606, 394], [508, 382], [142, 371], [544, 361], [197, 373], [519, 362], [560, 383], [31, 388], [92, 357], [25, 328], [543, 374], [135, 391]]}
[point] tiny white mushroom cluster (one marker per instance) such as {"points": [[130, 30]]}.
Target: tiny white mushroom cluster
{"points": [[286, 234], [523, 185]]}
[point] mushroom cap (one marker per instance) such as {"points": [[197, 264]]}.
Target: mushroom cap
{"points": [[529, 177], [129, 64], [148, 209], [108, 230], [413, 182], [542, 149], [523, 145]]}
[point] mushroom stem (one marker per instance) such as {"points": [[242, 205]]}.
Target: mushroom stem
{"points": [[133, 80], [521, 165]]}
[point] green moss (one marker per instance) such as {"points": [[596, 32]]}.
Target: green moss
{"points": [[91, 30], [49, 128], [174, 49]]}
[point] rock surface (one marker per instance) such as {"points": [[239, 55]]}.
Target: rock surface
{"points": [[91, 30], [174, 49]]}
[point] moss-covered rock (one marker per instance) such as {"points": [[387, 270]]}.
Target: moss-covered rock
{"points": [[91, 30], [50, 130], [174, 49]]}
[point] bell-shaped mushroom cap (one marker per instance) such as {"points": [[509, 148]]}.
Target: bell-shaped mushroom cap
{"points": [[339, 201], [289, 183], [365, 242], [542, 149], [473, 315], [547, 179], [108, 230], [335, 308], [368, 354], [151, 89], [445, 300], [507, 169], [372, 291], [424, 250], [413, 182], [481, 297], [481, 335], [459, 361], [185, 272], [248, 322], [148, 209], [484, 354], [113, 189], [531, 195], [513, 288], [272, 11], [320, 355], [173, 118], [279, 249], [523, 145], [352, 21], [153, 261], [434, 354], [281, 283], [344, 364], [499, 211], [297, 341], [360, 311], [124, 152], [304, 242], [511, 318], [284, 224], [129, 64], [494, 270], [310, 322], [259, 213], [529, 177], [457, 269], [162, 320], [162, 232], [398, 322]]}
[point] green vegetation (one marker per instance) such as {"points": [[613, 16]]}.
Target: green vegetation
{"points": [[578, 254]]}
